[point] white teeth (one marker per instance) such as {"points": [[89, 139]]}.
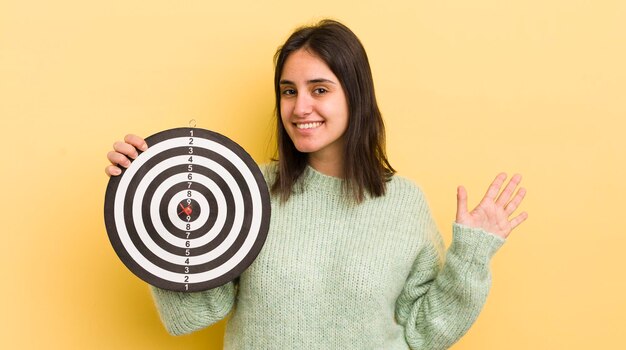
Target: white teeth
{"points": [[308, 125]]}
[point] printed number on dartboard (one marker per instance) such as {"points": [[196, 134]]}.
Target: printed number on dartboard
{"points": [[189, 200]]}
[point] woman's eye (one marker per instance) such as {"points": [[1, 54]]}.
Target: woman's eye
{"points": [[320, 91], [289, 92]]}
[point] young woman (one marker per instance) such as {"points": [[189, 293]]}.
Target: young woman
{"points": [[353, 258]]}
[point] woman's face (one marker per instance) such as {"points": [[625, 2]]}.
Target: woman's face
{"points": [[313, 106]]}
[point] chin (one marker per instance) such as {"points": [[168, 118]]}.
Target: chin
{"points": [[306, 149]]}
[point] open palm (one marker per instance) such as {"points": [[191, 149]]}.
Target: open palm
{"points": [[493, 212]]}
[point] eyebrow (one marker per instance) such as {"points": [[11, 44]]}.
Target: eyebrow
{"points": [[312, 81]]}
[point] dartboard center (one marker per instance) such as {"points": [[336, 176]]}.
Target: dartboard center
{"points": [[188, 210]]}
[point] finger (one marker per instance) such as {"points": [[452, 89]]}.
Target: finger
{"points": [[505, 196], [136, 141], [494, 188], [118, 158], [512, 206], [518, 220], [461, 203], [125, 149], [112, 170]]}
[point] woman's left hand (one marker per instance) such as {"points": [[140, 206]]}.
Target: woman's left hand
{"points": [[493, 212]]}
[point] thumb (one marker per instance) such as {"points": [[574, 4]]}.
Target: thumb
{"points": [[461, 203]]}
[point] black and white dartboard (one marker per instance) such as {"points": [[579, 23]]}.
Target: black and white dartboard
{"points": [[190, 213]]}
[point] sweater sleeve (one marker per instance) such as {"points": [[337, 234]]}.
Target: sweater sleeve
{"points": [[183, 313], [440, 301]]}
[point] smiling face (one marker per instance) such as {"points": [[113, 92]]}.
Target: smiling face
{"points": [[313, 107]]}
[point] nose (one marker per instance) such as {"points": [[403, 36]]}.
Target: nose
{"points": [[304, 106]]}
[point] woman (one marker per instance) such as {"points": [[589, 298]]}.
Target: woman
{"points": [[353, 259]]}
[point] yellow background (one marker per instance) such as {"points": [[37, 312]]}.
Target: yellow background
{"points": [[467, 89]]}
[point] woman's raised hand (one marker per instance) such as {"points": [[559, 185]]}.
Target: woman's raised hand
{"points": [[123, 152], [493, 213]]}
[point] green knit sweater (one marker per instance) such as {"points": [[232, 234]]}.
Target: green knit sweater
{"points": [[336, 275]]}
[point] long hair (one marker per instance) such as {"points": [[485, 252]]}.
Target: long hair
{"points": [[365, 167]]}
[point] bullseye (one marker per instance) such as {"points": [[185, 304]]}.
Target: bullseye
{"points": [[186, 211]]}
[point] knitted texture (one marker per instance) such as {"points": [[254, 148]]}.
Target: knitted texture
{"points": [[338, 275]]}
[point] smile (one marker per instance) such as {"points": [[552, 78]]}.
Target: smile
{"points": [[308, 125]]}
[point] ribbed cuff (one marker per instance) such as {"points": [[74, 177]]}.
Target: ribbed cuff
{"points": [[474, 244]]}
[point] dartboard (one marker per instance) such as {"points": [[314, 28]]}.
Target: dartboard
{"points": [[190, 213]]}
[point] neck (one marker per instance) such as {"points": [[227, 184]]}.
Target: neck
{"points": [[331, 166]]}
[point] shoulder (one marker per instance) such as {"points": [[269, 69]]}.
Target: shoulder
{"points": [[403, 195], [407, 194], [404, 187], [269, 172]]}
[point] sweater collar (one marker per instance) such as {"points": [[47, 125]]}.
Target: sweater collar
{"points": [[314, 180]]}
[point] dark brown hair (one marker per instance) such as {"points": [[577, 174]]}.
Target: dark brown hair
{"points": [[365, 168]]}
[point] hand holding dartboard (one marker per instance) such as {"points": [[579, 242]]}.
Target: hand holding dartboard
{"points": [[190, 213]]}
